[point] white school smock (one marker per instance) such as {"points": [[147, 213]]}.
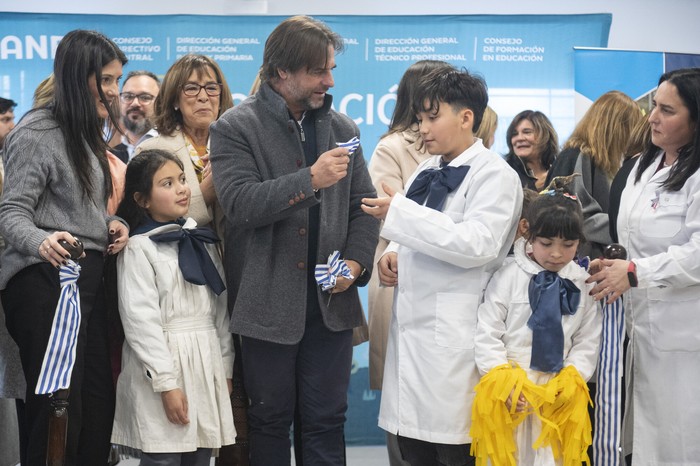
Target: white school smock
{"points": [[176, 337], [661, 231], [503, 336], [445, 260]]}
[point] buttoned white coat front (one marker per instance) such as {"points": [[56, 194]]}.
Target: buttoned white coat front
{"points": [[661, 231], [445, 260], [503, 336]]}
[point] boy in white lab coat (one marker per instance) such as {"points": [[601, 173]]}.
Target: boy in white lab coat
{"points": [[448, 234]]}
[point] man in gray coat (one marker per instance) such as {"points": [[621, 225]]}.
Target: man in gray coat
{"points": [[292, 197]]}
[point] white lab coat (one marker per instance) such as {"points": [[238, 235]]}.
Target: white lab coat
{"points": [[176, 337], [445, 260], [661, 231], [503, 336]]}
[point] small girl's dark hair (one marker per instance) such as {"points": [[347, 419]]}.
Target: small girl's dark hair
{"points": [[555, 212], [139, 179]]}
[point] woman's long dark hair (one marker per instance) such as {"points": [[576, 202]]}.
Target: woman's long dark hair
{"points": [[139, 179], [687, 83], [79, 55]]}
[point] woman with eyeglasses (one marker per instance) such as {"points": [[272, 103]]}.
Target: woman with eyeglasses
{"points": [[193, 94]]}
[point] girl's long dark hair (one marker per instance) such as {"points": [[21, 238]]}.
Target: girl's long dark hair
{"points": [[139, 179], [79, 55], [687, 83]]}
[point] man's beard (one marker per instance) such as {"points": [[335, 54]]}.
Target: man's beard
{"points": [[138, 127]]}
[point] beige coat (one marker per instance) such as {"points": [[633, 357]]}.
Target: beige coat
{"points": [[393, 162], [175, 144]]}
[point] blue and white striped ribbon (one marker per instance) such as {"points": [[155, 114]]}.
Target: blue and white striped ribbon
{"points": [[326, 274], [60, 352], [606, 439], [352, 145]]}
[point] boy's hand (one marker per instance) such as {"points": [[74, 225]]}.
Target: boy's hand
{"points": [[388, 266], [175, 405], [378, 207]]}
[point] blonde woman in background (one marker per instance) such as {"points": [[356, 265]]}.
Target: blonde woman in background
{"points": [[595, 150], [394, 160], [487, 128]]}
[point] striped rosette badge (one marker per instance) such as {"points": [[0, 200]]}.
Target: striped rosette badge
{"points": [[60, 352], [352, 145], [327, 274]]}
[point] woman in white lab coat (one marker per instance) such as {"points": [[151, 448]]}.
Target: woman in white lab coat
{"points": [[659, 224]]}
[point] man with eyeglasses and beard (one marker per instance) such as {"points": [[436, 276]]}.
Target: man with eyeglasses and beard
{"points": [[137, 100]]}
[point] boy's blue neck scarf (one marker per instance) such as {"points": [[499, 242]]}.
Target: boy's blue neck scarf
{"points": [[194, 260], [550, 297], [435, 184]]}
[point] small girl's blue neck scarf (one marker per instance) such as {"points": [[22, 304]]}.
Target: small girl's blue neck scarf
{"points": [[194, 260], [550, 297]]}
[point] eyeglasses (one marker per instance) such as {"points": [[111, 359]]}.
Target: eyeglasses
{"points": [[128, 97], [193, 90]]}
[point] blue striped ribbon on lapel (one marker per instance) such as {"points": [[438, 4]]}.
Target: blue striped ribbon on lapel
{"points": [[59, 358], [606, 438]]}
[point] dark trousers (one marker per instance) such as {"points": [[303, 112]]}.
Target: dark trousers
{"points": [[318, 368], [421, 453], [29, 301], [199, 457]]}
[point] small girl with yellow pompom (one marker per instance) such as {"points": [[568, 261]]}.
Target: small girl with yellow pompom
{"points": [[536, 344]]}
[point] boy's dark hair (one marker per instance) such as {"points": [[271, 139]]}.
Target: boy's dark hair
{"points": [[458, 88], [404, 115], [6, 105], [139, 179], [555, 212]]}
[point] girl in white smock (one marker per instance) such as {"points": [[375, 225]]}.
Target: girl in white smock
{"points": [[537, 326], [173, 392]]}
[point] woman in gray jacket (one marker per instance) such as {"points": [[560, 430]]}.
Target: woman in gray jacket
{"points": [[57, 183]]}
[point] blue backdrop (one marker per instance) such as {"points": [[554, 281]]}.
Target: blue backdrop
{"points": [[527, 62]]}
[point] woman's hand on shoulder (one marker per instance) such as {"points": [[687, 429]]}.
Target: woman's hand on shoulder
{"points": [[175, 405], [118, 237]]}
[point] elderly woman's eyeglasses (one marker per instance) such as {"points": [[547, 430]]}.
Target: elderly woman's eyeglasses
{"points": [[128, 97], [193, 90]]}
